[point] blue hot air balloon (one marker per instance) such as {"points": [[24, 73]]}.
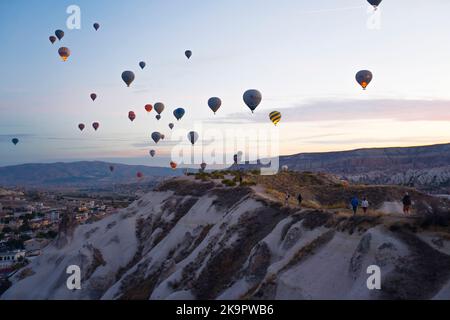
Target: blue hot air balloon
{"points": [[179, 113]]}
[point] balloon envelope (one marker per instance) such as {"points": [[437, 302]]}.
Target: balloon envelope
{"points": [[95, 125], [81, 126], [178, 113], [131, 116], [139, 175], [148, 107], [171, 126], [64, 53], [96, 26], [152, 153], [59, 34], [192, 137], [128, 77], [188, 53], [275, 117], [252, 98], [214, 104], [156, 136], [142, 64], [15, 141], [158, 117], [364, 77], [374, 3], [93, 96], [173, 165], [159, 107], [52, 39]]}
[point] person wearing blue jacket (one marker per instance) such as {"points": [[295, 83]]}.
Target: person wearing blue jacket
{"points": [[354, 203]]}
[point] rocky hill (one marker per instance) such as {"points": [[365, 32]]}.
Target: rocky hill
{"points": [[201, 239]]}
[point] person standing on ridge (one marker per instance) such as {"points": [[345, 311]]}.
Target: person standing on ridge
{"points": [[286, 198], [406, 203], [300, 199], [354, 203], [365, 204]]}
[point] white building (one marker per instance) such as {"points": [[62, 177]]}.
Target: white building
{"points": [[9, 258]]}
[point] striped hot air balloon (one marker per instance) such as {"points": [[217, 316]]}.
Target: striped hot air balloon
{"points": [[275, 117]]}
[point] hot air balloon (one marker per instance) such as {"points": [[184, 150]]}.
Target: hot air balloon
{"points": [[173, 165], [192, 137], [158, 117], [203, 166], [364, 77], [171, 126], [131, 116], [214, 104], [15, 141], [156, 136], [96, 26], [93, 96], [139, 175], [188, 53], [252, 98], [374, 3], [275, 117], [95, 125], [163, 137], [59, 34], [128, 77], [52, 39], [81, 126], [142, 64], [148, 107], [111, 168], [159, 107], [178, 113], [152, 153], [64, 53]]}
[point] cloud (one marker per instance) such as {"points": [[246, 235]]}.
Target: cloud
{"points": [[350, 110]]}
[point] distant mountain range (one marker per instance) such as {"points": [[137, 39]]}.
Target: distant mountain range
{"points": [[423, 167], [78, 174]]}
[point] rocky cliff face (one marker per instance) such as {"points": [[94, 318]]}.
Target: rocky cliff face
{"points": [[201, 240]]}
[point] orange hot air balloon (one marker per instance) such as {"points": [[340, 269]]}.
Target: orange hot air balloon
{"points": [[148, 107], [173, 165], [131, 116], [64, 53]]}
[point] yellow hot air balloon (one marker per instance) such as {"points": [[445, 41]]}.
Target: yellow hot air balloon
{"points": [[275, 117]]}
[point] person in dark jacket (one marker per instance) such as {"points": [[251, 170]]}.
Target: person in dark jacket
{"points": [[299, 199], [406, 203], [354, 203]]}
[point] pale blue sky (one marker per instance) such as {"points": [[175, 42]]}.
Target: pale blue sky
{"points": [[302, 55]]}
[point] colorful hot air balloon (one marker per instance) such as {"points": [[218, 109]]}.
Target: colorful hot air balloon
{"points": [[15, 141], [203, 166], [214, 104], [131, 116], [64, 53], [152, 153], [59, 34], [128, 77], [142, 64], [275, 117], [148, 107], [173, 165], [96, 26], [139, 175], [192, 137], [111, 168], [188, 53], [81, 126], [374, 3], [158, 117], [95, 125], [171, 126], [93, 96], [252, 98], [364, 77], [178, 113], [156, 136], [52, 39], [159, 107]]}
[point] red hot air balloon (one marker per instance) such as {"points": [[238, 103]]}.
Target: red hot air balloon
{"points": [[148, 107], [95, 125], [93, 96], [131, 116], [139, 175], [81, 126]]}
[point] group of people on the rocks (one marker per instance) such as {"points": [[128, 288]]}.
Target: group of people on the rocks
{"points": [[355, 203]]}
